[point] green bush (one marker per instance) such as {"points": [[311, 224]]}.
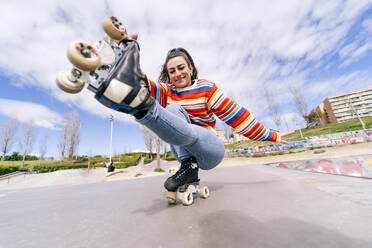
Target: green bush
{"points": [[159, 170], [170, 158], [56, 167], [147, 160], [6, 169], [258, 155], [128, 160]]}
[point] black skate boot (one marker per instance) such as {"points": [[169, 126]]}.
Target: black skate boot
{"points": [[126, 88], [188, 173]]}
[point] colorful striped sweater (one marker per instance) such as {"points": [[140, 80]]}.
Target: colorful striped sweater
{"points": [[203, 100]]}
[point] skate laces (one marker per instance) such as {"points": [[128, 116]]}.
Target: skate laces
{"points": [[186, 168], [178, 175], [180, 172]]}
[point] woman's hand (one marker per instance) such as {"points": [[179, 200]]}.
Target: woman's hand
{"points": [[133, 36], [283, 135]]}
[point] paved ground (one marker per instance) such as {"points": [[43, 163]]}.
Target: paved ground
{"points": [[250, 206]]}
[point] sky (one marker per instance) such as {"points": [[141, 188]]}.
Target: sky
{"points": [[245, 46]]}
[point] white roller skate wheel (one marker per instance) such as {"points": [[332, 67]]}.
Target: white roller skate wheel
{"points": [[114, 28], [187, 198], [204, 192], [83, 55], [171, 197], [65, 84]]}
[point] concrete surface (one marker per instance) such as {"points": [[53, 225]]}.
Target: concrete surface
{"points": [[249, 206]]}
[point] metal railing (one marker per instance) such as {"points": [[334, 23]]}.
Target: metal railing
{"points": [[10, 175]]}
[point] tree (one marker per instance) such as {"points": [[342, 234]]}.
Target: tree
{"points": [[313, 119], [228, 130], [354, 111], [74, 134], [158, 152], [43, 147], [295, 119], [63, 137], [273, 108], [148, 138], [15, 157], [28, 139], [165, 148], [300, 102], [69, 135], [8, 130]]}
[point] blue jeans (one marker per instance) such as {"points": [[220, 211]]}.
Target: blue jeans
{"points": [[172, 124]]}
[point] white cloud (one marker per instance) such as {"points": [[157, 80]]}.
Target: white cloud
{"points": [[319, 90], [242, 46], [28, 111], [354, 51], [367, 24]]}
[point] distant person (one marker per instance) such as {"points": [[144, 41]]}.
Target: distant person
{"points": [[181, 109], [110, 167]]}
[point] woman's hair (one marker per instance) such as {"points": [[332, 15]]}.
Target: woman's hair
{"points": [[175, 52]]}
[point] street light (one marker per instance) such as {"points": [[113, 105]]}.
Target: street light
{"points": [[112, 125]]}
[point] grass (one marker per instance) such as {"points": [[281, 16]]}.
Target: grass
{"points": [[126, 160], [28, 163], [147, 160], [159, 170], [353, 125], [45, 166], [120, 161]]}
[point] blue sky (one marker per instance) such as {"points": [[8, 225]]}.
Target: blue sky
{"points": [[324, 48]]}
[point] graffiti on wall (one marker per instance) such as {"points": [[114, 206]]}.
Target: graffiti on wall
{"points": [[356, 167], [336, 139]]}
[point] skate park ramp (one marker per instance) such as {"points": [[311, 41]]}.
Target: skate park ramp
{"points": [[358, 166], [249, 206]]}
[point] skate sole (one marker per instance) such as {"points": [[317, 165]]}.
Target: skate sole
{"points": [[186, 192]]}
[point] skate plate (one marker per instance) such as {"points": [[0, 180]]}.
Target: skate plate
{"points": [[93, 61], [186, 193]]}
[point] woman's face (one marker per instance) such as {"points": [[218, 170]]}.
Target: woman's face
{"points": [[179, 72]]}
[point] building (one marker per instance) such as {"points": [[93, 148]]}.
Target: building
{"points": [[345, 107], [221, 135], [238, 137]]}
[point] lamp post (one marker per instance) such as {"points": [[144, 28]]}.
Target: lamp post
{"points": [[112, 125]]}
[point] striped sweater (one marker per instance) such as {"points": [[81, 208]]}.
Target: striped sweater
{"points": [[203, 101]]}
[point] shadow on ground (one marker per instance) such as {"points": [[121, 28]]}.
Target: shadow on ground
{"points": [[234, 229]]}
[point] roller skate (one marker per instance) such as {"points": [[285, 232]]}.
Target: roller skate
{"points": [[185, 183], [110, 67]]}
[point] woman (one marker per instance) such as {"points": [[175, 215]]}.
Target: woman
{"points": [[180, 109]]}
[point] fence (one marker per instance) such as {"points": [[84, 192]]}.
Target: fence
{"points": [[10, 175]]}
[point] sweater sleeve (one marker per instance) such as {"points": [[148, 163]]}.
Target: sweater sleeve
{"points": [[239, 118], [159, 92]]}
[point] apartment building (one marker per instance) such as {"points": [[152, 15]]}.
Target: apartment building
{"points": [[346, 106], [221, 135]]}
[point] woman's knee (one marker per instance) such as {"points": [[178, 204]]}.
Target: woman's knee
{"points": [[212, 158], [178, 110]]}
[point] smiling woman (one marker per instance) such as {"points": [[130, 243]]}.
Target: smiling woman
{"points": [[180, 109], [179, 72]]}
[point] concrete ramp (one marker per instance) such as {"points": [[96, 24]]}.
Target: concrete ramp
{"points": [[360, 166]]}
